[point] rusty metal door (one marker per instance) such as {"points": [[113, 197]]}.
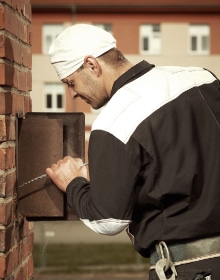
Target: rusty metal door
{"points": [[42, 139]]}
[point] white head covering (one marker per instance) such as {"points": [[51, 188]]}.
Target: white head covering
{"points": [[69, 49]]}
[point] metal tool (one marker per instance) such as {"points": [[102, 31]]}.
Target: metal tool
{"points": [[32, 180], [42, 176]]}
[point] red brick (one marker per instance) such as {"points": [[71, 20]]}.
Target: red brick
{"points": [[8, 24], [7, 158], [6, 212], [24, 31], [26, 9], [2, 74], [20, 274], [2, 45], [25, 271], [19, 78], [18, 104], [7, 184], [7, 238], [27, 105], [13, 50], [2, 159], [22, 7], [20, 233], [29, 81], [2, 22], [27, 245], [23, 82], [6, 265], [2, 266], [7, 73], [12, 26], [27, 228], [16, 259], [19, 26], [21, 104], [30, 266], [7, 129], [3, 240], [10, 160], [10, 129], [5, 103], [2, 129], [16, 235], [2, 185], [26, 57]]}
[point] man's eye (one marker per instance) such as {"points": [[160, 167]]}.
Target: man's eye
{"points": [[70, 83]]}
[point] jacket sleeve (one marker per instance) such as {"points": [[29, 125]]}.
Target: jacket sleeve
{"points": [[105, 204]]}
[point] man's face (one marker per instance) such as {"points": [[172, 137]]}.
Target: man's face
{"points": [[88, 87]]}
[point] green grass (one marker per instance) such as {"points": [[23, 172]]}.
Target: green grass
{"points": [[77, 258]]}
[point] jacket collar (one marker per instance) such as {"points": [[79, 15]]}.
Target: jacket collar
{"points": [[133, 73]]}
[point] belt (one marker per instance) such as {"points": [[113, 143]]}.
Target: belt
{"points": [[189, 251]]}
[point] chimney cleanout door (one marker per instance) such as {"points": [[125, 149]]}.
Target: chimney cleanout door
{"points": [[43, 139]]}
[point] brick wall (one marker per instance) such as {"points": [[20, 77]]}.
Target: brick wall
{"points": [[16, 234]]}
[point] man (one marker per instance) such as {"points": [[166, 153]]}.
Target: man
{"points": [[154, 154]]}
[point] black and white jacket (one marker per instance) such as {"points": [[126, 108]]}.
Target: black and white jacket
{"points": [[154, 158]]}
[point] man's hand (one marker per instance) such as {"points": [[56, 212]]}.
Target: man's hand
{"points": [[65, 170]]}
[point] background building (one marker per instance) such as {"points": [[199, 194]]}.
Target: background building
{"points": [[171, 32]]}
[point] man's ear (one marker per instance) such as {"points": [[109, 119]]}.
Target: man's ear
{"points": [[92, 64]]}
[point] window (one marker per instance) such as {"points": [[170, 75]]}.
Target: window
{"points": [[50, 32], [54, 97], [106, 27], [199, 39], [150, 39]]}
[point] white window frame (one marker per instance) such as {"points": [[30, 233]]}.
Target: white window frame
{"points": [[105, 26], [49, 33], [199, 32], [152, 33], [54, 90]]}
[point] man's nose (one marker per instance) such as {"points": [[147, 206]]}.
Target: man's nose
{"points": [[72, 92]]}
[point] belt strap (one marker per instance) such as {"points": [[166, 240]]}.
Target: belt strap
{"points": [[189, 251]]}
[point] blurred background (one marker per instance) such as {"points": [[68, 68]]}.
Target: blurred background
{"points": [[70, 248]]}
